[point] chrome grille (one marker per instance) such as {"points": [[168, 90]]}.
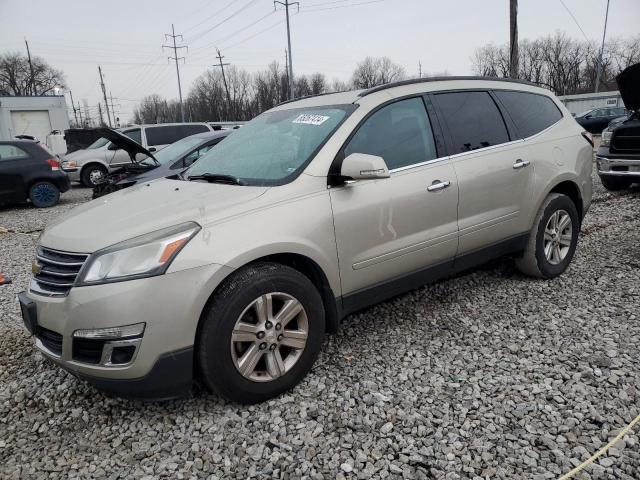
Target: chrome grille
{"points": [[57, 271]]}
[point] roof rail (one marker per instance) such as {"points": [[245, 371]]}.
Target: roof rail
{"points": [[439, 79]]}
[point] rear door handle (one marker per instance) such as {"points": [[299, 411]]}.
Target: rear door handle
{"points": [[521, 164], [438, 185]]}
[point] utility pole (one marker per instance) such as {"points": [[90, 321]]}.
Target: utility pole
{"points": [[113, 111], [599, 64], [104, 93], [286, 5], [74, 107], [224, 80], [513, 39], [286, 67], [176, 58], [80, 112], [100, 114], [33, 79], [419, 69]]}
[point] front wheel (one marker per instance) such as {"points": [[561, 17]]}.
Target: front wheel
{"points": [[614, 184], [553, 238], [260, 333], [44, 194], [93, 175]]}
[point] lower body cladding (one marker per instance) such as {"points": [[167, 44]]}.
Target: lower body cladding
{"points": [[133, 338]]}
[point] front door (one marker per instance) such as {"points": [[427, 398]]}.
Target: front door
{"points": [[394, 228]]}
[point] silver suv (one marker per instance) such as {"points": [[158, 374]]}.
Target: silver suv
{"points": [[315, 209]]}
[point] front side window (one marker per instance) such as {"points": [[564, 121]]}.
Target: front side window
{"points": [[101, 142], [400, 133], [274, 147], [11, 152], [134, 135], [473, 119], [531, 113]]}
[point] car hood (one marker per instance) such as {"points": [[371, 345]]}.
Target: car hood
{"points": [[145, 208], [628, 81], [151, 174], [123, 142]]}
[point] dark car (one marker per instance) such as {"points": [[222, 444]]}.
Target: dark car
{"points": [[597, 119], [28, 171], [169, 161], [618, 157]]}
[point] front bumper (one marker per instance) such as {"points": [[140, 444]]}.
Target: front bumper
{"points": [[618, 167], [170, 305]]}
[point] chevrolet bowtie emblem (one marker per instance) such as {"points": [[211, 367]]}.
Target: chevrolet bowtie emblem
{"points": [[36, 268]]}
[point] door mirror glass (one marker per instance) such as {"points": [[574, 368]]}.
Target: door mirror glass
{"points": [[362, 166]]}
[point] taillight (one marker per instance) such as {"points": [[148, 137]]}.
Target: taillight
{"points": [[588, 137], [54, 164]]}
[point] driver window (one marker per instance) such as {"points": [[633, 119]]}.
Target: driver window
{"points": [[400, 133]]}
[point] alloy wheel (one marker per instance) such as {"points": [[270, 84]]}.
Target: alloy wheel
{"points": [[558, 235], [269, 337]]}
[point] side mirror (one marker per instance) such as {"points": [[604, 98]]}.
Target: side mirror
{"points": [[112, 146], [588, 117], [361, 166]]}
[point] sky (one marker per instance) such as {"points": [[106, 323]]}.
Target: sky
{"points": [[329, 36]]}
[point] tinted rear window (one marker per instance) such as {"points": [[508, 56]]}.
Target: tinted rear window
{"points": [[11, 152], [530, 112], [473, 119], [171, 133]]}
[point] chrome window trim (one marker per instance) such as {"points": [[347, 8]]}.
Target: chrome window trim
{"points": [[486, 149], [416, 165]]}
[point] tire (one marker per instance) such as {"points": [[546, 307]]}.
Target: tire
{"points": [[92, 175], [44, 194], [221, 356], [535, 260], [614, 184]]}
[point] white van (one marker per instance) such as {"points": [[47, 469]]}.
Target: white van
{"points": [[90, 165]]}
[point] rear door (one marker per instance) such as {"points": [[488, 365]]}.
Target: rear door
{"points": [[390, 228], [494, 174], [15, 163]]}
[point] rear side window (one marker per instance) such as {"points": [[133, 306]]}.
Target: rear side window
{"points": [[473, 119], [134, 135], [400, 133], [171, 133], [11, 152], [530, 112]]}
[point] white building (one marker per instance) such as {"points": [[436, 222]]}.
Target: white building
{"points": [[587, 101], [36, 116]]}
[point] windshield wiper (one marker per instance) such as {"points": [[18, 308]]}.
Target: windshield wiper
{"points": [[217, 178]]}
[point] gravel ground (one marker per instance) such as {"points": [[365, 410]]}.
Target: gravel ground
{"points": [[487, 375]]}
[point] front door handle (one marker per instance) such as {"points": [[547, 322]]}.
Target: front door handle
{"points": [[438, 185], [521, 164]]}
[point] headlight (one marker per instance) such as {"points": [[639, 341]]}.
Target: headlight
{"points": [[144, 256], [605, 140], [70, 164]]}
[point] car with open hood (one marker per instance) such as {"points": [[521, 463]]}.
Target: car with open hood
{"points": [[618, 157], [317, 208], [89, 166], [169, 161]]}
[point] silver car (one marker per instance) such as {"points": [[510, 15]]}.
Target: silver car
{"points": [[315, 209]]}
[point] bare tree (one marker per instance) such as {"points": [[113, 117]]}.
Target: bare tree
{"points": [[16, 78], [372, 72]]}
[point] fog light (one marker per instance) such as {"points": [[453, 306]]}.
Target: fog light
{"points": [[122, 355], [111, 333], [603, 165]]}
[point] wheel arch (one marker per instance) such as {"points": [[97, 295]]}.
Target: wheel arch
{"points": [[93, 162], [566, 185]]}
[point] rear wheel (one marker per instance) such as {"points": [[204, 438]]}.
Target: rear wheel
{"points": [[553, 238], [615, 183], [261, 333], [44, 194], [93, 175]]}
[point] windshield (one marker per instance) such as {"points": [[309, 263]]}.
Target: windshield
{"points": [[273, 147], [176, 150], [101, 142]]}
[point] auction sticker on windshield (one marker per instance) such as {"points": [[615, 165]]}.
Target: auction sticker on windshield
{"points": [[310, 119]]}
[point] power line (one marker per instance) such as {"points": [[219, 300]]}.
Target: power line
{"points": [[313, 9], [175, 57], [286, 5], [240, 10], [206, 19], [575, 20], [246, 39]]}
